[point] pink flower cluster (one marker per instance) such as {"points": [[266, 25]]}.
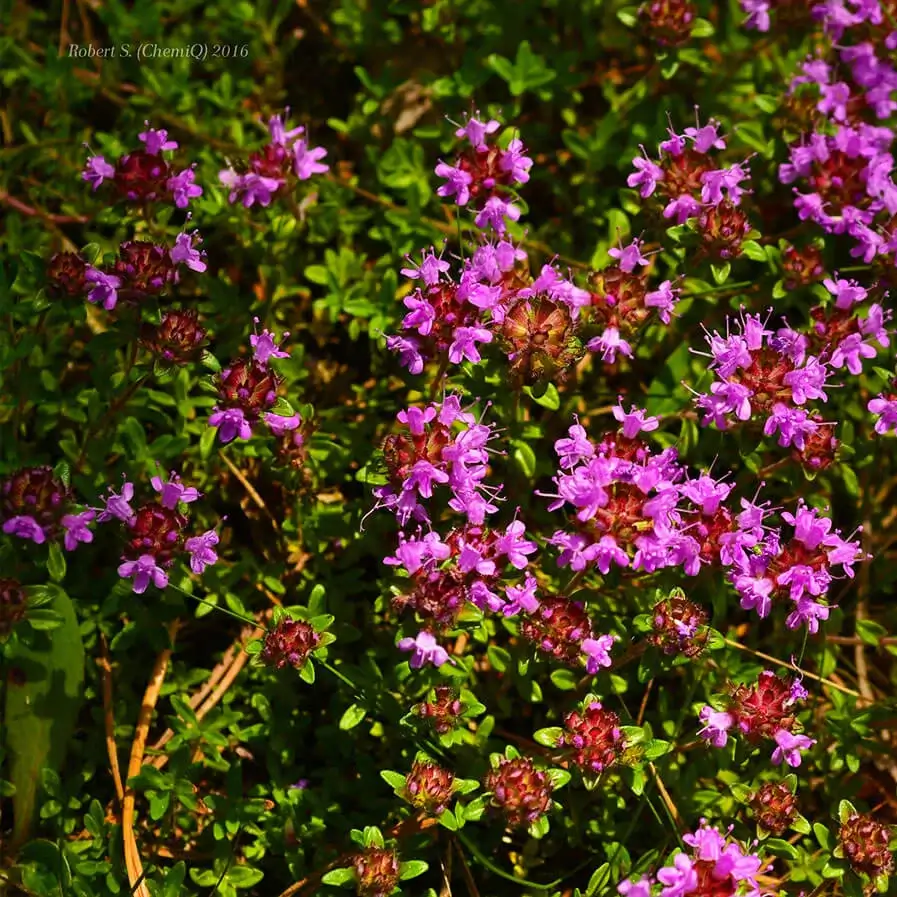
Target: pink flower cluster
{"points": [[443, 446], [685, 175], [156, 532], [145, 175], [287, 155], [765, 567], [715, 864], [762, 711], [484, 173]]}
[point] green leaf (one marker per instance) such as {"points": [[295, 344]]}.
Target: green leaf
{"points": [[845, 810], [801, 824], [448, 820], [352, 717], [628, 15], [780, 847], [411, 869], [339, 877], [702, 28], [395, 780], [563, 679], [753, 250], [558, 778], [549, 399], [548, 737], [720, 272], [823, 836], [870, 631], [244, 877], [539, 829], [525, 458], [40, 713], [56, 562]]}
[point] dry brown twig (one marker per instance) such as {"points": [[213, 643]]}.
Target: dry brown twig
{"points": [[133, 862]]}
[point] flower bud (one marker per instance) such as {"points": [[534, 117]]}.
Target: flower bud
{"points": [[592, 737], [668, 22], [65, 275], [177, 339], [519, 790], [289, 643], [677, 625], [865, 844], [774, 806], [376, 872], [428, 787], [443, 710]]}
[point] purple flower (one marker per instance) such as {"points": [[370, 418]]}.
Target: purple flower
{"points": [[465, 344], [789, 747], [521, 598], [105, 287], [425, 649], [628, 257], [678, 879], [494, 212], [431, 268], [253, 188], [306, 160], [664, 299], [156, 141], [514, 546], [409, 353], [279, 135], [476, 131], [640, 888], [846, 292], [25, 527], [635, 420], [184, 253], [143, 571], [76, 529], [457, 183], [716, 726], [608, 344], [706, 138], [97, 170], [886, 409], [515, 162], [265, 348], [172, 491], [118, 506], [201, 548], [647, 175], [278, 424], [231, 423], [597, 652], [182, 188]]}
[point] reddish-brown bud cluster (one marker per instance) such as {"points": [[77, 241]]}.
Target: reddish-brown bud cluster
{"points": [[593, 737], [156, 530], [428, 787], [443, 710], [519, 790], [145, 269], [401, 451], [760, 710], [35, 492], [376, 872], [819, 449], [774, 806], [177, 339], [65, 275], [141, 176], [865, 843], [289, 643], [668, 22], [678, 625], [248, 386], [558, 628], [540, 340], [272, 161], [801, 266], [723, 228], [292, 446], [12, 605], [618, 299], [437, 595]]}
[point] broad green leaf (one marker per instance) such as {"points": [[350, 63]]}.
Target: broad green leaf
{"points": [[42, 701]]}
